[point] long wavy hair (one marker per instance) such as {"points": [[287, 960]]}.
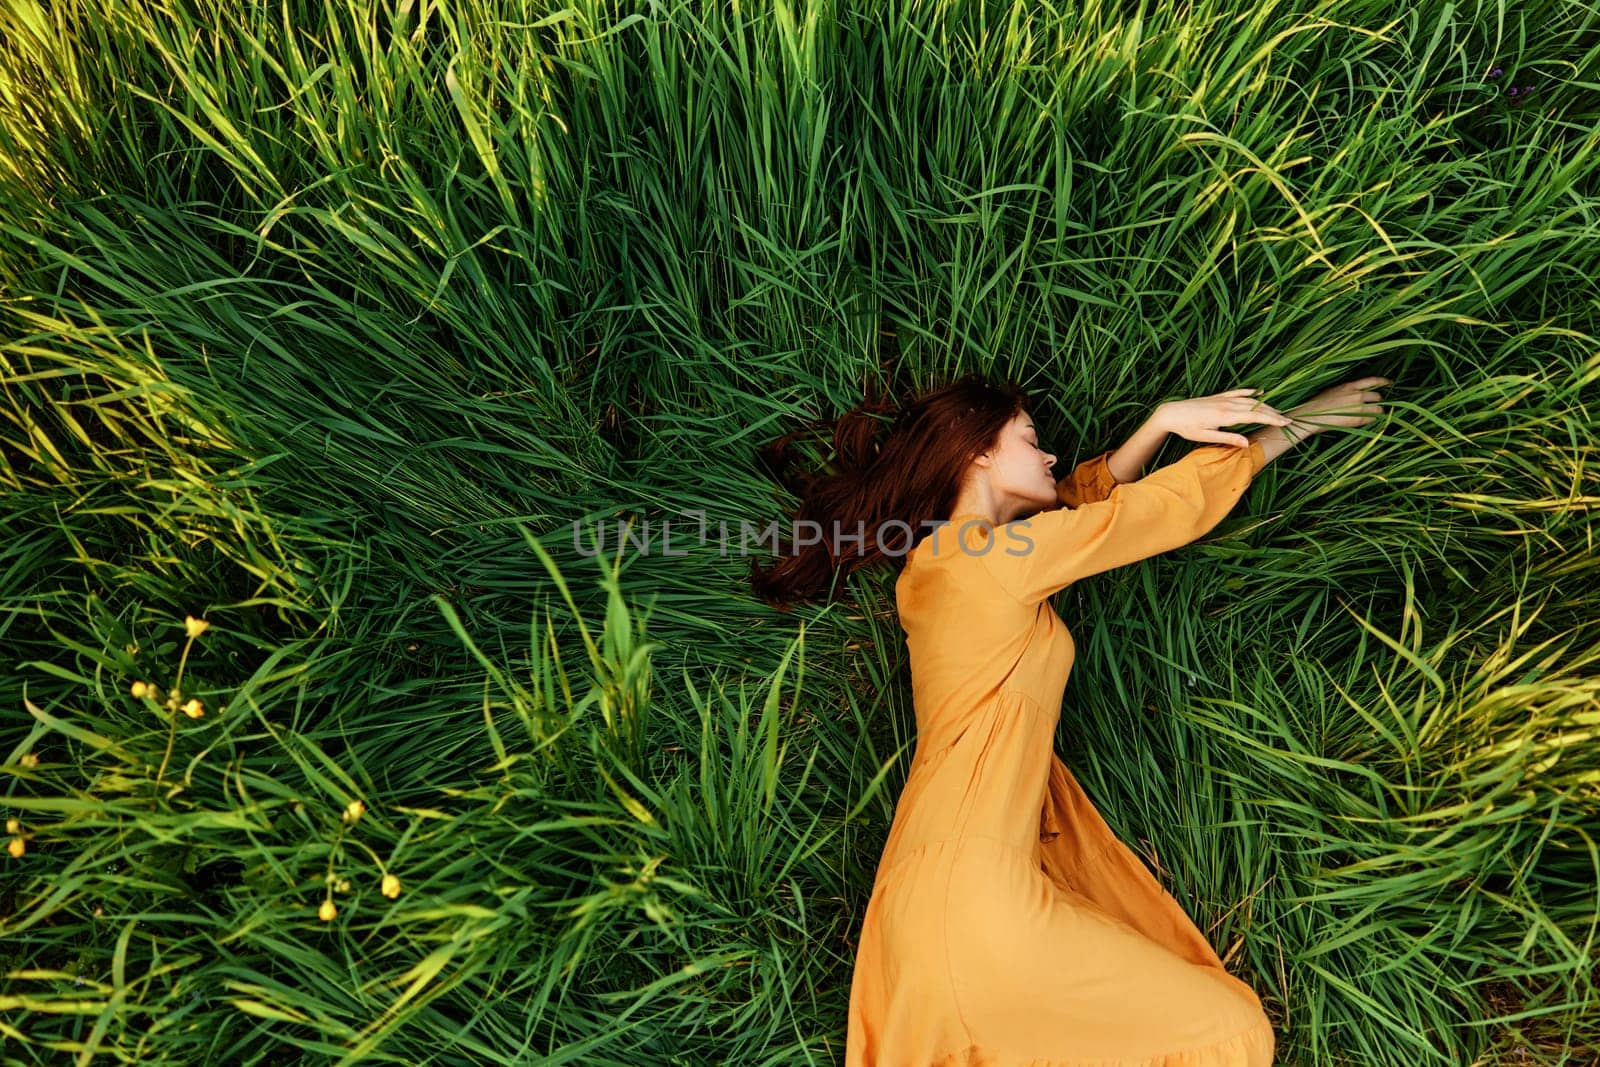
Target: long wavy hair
{"points": [[897, 472]]}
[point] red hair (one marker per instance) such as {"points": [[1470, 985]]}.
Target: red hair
{"points": [[895, 467]]}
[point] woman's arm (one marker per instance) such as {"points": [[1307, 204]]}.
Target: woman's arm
{"points": [[1354, 403], [1351, 404], [1276, 440], [1174, 505], [1126, 464]]}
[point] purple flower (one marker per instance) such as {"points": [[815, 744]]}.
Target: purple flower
{"points": [[1496, 72], [1511, 91]]}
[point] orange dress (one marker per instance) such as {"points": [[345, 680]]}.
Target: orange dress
{"points": [[1008, 926]]}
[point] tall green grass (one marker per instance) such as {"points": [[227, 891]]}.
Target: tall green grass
{"points": [[325, 322]]}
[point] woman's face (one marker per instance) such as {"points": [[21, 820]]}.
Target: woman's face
{"points": [[1019, 470]]}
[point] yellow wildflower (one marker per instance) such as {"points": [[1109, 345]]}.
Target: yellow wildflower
{"points": [[30, 759], [327, 912], [194, 627], [353, 811], [194, 709], [16, 848], [390, 887], [13, 826], [141, 689]]}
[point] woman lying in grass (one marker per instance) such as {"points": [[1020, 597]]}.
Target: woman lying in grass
{"points": [[1007, 924]]}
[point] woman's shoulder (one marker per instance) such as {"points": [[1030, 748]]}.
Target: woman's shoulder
{"points": [[949, 579]]}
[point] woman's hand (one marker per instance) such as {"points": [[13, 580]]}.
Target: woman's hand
{"points": [[1200, 419], [1351, 404]]}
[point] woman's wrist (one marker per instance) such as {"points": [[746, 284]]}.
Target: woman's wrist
{"points": [[1276, 440]]}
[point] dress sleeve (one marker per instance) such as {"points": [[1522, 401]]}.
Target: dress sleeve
{"points": [[1089, 480], [1167, 508]]}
